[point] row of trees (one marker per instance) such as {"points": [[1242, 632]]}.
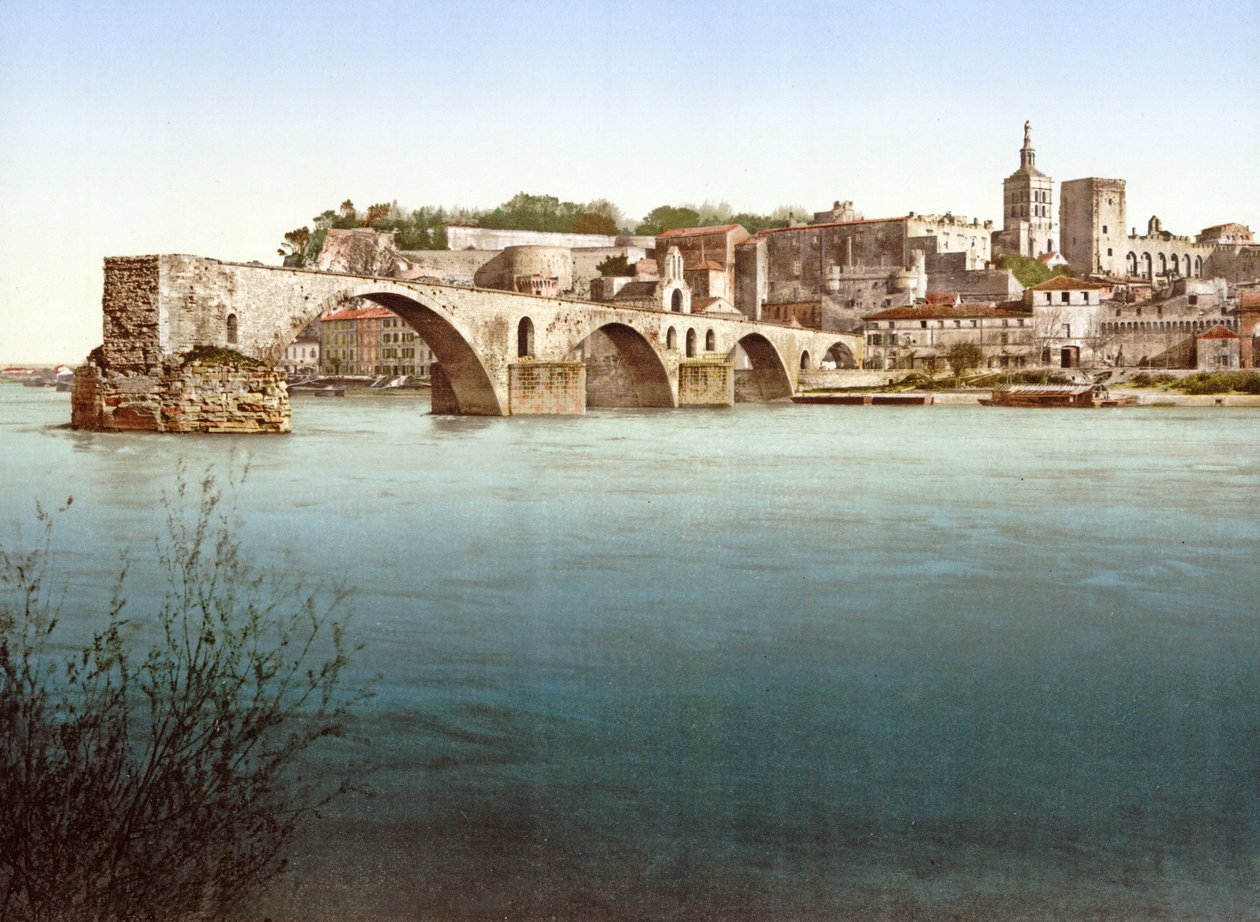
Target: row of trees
{"points": [[425, 228]]}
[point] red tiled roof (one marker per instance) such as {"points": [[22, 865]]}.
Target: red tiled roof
{"points": [[698, 231], [700, 305], [942, 297], [358, 313], [945, 312], [1066, 283], [1219, 332]]}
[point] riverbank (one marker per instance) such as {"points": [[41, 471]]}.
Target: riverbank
{"points": [[1145, 398]]}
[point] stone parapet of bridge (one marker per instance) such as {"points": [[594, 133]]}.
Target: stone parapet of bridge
{"points": [[499, 352]]}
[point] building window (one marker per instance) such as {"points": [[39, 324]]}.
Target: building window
{"points": [[231, 329], [1105, 231], [1064, 297], [923, 324]]}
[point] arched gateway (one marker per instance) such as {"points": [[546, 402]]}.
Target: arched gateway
{"points": [[192, 344]]}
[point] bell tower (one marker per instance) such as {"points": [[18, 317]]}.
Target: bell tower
{"points": [[1028, 212]]}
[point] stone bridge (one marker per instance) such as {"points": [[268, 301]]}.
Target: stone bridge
{"points": [[173, 325]]}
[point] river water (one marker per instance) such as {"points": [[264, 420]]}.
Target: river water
{"points": [[766, 662]]}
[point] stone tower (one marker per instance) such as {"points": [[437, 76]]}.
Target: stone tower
{"points": [[1029, 225], [1092, 220]]}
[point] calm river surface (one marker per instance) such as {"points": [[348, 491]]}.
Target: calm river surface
{"points": [[771, 662]]}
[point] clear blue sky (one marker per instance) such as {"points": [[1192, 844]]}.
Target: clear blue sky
{"points": [[212, 128]]}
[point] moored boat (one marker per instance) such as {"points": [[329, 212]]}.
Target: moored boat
{"points": [[1054, 395], [860, 400]]}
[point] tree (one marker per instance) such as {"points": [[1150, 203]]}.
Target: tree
{"points": [[667, 217], [160, 783], [615, 265], [294, 247], [963, 355], [1030, 272], [375, 214]]}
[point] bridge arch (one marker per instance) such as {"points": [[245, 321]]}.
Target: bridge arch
{"points": [[841, 355], [634, 375], [473, 390], [768, 379]]}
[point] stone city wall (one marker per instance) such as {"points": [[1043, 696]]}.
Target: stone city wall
{"points": [[460, 237]]}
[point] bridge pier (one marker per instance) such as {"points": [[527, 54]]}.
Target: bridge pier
{"points": [[551, 388], [706, 383]]}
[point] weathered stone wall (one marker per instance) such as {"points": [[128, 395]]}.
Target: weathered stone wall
{"points": [[1092, 220], [552, 388], [441, 395], [705, 383], [197, 396], [133, 324], [1161, 332], [459, 237], [977, 285], [446, 267], [1236, 264], [609, 382]]}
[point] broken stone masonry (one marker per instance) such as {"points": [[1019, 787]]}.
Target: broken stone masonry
{"points": [[130, 383]]}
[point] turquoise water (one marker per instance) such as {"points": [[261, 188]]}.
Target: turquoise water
{"points": [[771, 662]]}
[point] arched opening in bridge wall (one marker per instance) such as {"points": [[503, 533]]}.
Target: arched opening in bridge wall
{"points": [[461, 384], [232, 335], [767, 378], [839, 355], [525, 338], [671, 339], [623, 369], [805, 361], [691, 344], [710, 341], [676, 301]]}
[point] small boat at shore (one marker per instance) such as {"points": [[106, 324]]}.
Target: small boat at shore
{"points": [[1085, 396], [865, 400], [327, 390]]}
